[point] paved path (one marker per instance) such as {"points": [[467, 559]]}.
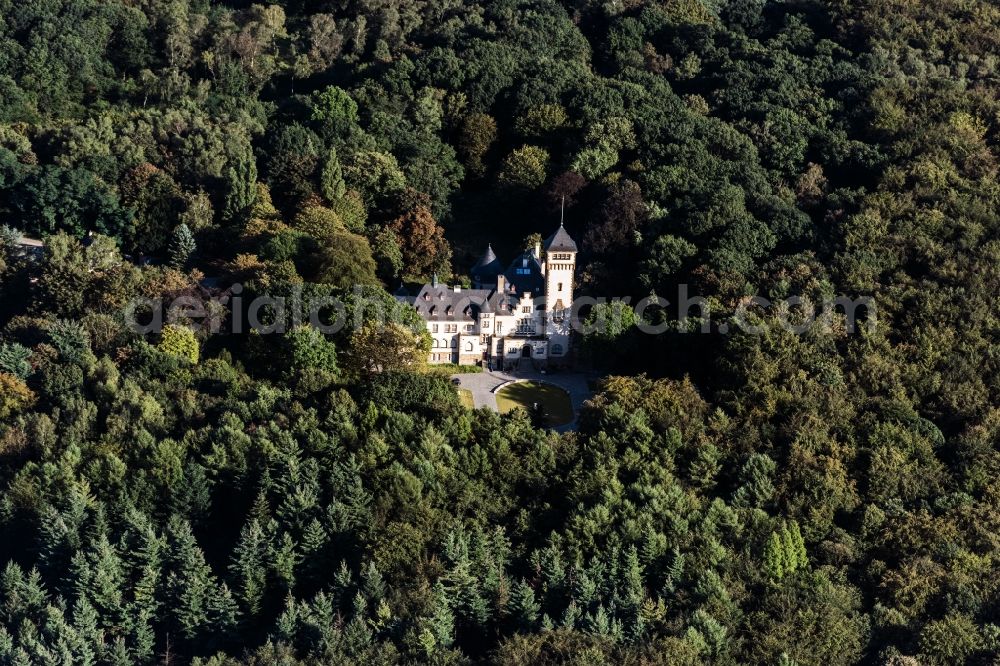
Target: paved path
{"points": [[483, 385]]}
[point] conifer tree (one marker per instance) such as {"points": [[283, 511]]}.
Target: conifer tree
{"points": [[314, 541], [524, 609], [141, 637], [284, 558], [223, 614], [442, 620], [241, 182], [118, 654], [788, 546], [89, 637], [332, 178], [182, 246], [774, 556], [190, 582], [248, 567], [372, 584], [799, 545]]}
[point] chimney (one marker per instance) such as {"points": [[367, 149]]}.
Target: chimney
{"points": [[434, 280], [458, 288], [538, 251]]}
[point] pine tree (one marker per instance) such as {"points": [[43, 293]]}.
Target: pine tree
{"points": [[630, 587], [549, 562], [284, 559], [524, 609], [182, 246], [774, 556], [248, 567], [757, 477], [675, 574], [442, 620], [106, 582], [190, 582], [288, 622], [146, 562], [118, 654], [711, 630], [89, 637], [141, 636], [241, 181], [788, 545], [332, 178], [799, 546], [223, 613], [372, 584], [314, 541], [342, 582], [705, 466]]}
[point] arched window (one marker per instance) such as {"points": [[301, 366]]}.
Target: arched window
{"points": [[469, 346], [557, 349]]}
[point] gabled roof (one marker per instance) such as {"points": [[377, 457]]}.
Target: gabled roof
{"points": [[443, 303], [560, 241]]}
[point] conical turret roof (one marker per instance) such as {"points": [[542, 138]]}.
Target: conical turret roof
{"points": [[487, 268]]}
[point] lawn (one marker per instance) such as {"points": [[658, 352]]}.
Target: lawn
{"points": [[555, 401], [465, 395]]}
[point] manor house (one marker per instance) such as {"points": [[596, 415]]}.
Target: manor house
{"points": [[510, 315]]}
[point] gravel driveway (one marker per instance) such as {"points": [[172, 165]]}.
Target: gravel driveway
{"points": [[483, 384]]}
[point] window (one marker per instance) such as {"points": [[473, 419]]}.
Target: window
{"points": [[557, 349], [434, 328], [523, 271], [469, 328], [559, 287], [469, 346], [526, 309]]}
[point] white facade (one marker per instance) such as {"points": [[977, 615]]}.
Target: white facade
{"points": [[509, 316]]}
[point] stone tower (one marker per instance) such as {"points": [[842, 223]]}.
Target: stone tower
{"points": [[559, 267]]}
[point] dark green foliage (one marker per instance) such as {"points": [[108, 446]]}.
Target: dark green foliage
{"points": [[781, 499], [182, 246]]}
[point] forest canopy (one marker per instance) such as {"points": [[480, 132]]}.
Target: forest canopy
{"points": [[308, 498]]}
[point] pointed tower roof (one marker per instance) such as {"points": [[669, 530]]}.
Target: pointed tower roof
{"points": [[487, 259], [487, 268], [560, 241]]}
